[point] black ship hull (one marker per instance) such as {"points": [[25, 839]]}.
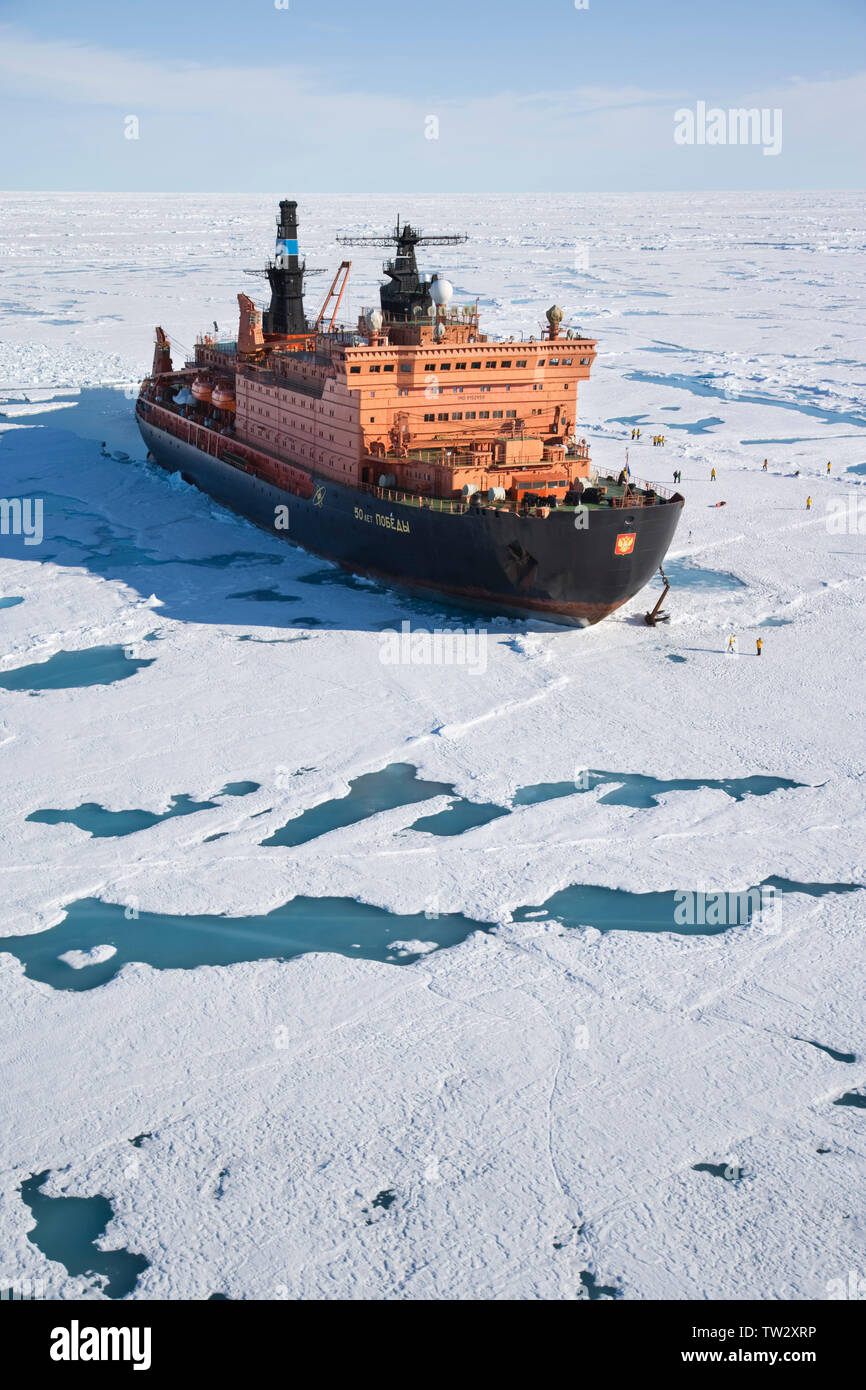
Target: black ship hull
{"points": [[506, 563]]}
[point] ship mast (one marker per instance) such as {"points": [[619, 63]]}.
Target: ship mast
{"points": [[406, 297]]}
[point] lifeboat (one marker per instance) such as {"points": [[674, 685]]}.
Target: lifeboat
{"points": [[202, 390], [223, 398]]}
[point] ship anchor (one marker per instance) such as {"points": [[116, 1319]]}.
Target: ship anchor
{"points": [[656, 615]]}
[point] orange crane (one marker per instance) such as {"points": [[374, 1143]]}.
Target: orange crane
{"points": [[343, 271]]}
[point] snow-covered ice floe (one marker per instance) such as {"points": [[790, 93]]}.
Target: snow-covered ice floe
{"points": [[509, 1096], [97, 955]]}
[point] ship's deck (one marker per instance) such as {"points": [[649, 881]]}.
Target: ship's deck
{"points": [[640, 494]]}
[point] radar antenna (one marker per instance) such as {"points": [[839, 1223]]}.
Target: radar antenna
{"points": [[406, 298]]}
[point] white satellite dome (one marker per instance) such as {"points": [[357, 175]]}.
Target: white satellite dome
{"points": [[441, 291], [374, 320]]}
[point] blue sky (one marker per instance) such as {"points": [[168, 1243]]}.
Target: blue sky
{"points": [[337, 97]]}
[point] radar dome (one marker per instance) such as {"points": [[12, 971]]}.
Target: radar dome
{"points": [[374, 320], [440, 291], [554, 314]]}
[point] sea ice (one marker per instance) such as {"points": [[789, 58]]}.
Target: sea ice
{"points": [[243, 1118]]}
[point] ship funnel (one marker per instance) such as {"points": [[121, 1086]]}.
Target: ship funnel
{"points": [[286, 276], [286, 249]]}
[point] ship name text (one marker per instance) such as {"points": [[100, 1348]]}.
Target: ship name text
{"points": [[391, 523]]}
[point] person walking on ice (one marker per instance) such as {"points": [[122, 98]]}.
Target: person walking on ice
{"points": [[712, 475], [760, 645], [764, 469], [829, 466], [808, 504], [732, 645]]}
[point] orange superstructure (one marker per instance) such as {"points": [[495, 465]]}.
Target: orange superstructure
{"points": [[415, 397], [434, 407]]}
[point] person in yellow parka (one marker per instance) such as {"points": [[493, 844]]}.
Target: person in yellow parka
{"points": [[760, 645], [808, 504], [712, 475], [765, 466], [829, 466]]}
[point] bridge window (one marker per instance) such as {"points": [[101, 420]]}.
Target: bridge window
{"points": [[506, 362], [429, 366], [354, 370], [476, 366], [490, 364], [497, 414], [389, 367], [460, 366], [429, 417], [405, 366], [457, 415], [521, 362], [510, 413], [470, 415], [375, 369]]}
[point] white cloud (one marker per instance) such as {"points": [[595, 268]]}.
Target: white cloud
{"points": [[585, 136]]}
